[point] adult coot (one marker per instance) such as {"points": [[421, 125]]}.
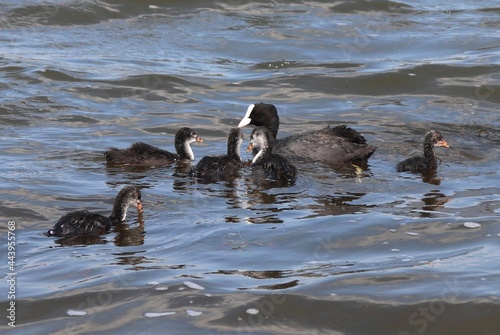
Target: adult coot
{"points": [[339, 144]]}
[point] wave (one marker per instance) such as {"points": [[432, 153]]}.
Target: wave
{"points": [[88, 12]]}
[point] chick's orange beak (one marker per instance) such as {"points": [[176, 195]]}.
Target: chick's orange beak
{"points": [[442, 143], [198, 139], [250, 147], [139, 206]]}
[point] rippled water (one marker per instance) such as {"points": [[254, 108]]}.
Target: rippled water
{"points": [[342, 251]]}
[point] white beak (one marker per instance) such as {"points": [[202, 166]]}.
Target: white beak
{"points": [[246, 119]]}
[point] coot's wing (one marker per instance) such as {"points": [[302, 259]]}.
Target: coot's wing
{"points": [[324, 146], [279, 167], [140, 154], [413, 164], [80, 223]]}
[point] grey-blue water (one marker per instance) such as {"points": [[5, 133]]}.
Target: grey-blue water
{"points": [[342, 251]]}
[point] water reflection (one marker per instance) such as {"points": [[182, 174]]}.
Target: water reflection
{"points": [[433, 200], [431, 178], [130, 258], [138, 262], [125, 174], [255, 274], [129, 236], [182, 169], [266, 199], [227, 190], [238, 193], [353, 170], [265, 219], [389, 269], [80, 240], [326, 205], [280, 286]]}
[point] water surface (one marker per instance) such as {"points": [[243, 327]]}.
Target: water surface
{"points": [[341, 251]]}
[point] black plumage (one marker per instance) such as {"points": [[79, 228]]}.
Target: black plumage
{"points": [[83, 222], [142, 154], [222, 166], [275, 166], [427, 162], [340, 144]]}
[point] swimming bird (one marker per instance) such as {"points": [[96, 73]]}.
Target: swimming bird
{"points": [[84, 223], [428, 162], [217, 167], [142, 154], [276, 166], [340, 144]]}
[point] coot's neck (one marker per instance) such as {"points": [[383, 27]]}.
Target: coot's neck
{"points": [[273, 125], [233, 149], [429, 152], [120, 209], [261, 154], [184, 150]]}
